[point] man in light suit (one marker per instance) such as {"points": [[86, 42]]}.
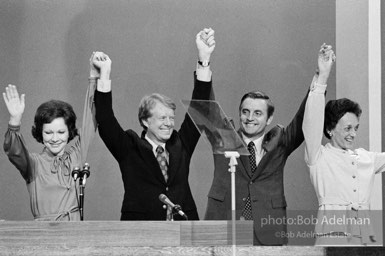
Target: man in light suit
{"points": [[156, 162], [259, 177]]}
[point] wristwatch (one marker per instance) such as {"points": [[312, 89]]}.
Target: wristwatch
{"points": [[204, 64]]}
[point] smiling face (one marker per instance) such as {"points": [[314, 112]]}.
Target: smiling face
{"points": [[254, 118], [160, 124], [55, 136], [343, 135]]}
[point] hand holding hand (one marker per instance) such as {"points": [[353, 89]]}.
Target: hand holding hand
{"points": [[14, 103], [205, 43], [326, 59], [102, 63], [94, 71]]}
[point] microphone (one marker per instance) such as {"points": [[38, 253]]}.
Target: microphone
{"points": [[85, 173], [164, 199], [75, 173]]}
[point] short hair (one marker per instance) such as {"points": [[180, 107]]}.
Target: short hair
{"points": [[259, 95], [335, 110], [51, 110], [147, 103]]}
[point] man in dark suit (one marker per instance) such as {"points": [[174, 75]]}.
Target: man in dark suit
{"points": [[157, 162], [259, 177]]}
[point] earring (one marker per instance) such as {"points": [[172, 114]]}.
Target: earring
{"points": [[330, 134]]}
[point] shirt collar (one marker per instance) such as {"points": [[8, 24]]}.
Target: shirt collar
{"points": [[257, 142], [154, 145], [339, 150]]}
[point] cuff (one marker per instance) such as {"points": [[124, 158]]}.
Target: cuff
{"points": [[104, 82], [203, 73], [15, 128], [318, 88]]}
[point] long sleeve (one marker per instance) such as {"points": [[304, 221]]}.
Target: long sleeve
{"points": [[293, 132], [89, 124], [14, 147], [188, 131], [110, 130], [379, 162], [313, 122]]}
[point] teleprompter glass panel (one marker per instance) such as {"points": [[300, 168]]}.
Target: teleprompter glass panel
{"points": [[218, 129]]}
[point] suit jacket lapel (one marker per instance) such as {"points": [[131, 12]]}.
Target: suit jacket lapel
{"points": [[261, 163], [175, 151], [172, 161], [244, 168], [153, 164], [261, 166], [270, 141]]}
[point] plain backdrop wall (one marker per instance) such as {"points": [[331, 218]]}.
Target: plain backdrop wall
{"points": [[358, 27], [269, 45]]}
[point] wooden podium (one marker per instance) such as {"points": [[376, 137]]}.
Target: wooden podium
{"points": [[147, 238], [115, 237]]}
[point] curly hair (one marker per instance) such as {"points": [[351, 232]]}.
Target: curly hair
{"points": [[51, 110], [335, 110], [148, 102]]}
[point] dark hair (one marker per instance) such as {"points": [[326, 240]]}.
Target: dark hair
{"points": [[259, 95], [148, 102], [51, 110], [336, 109]]}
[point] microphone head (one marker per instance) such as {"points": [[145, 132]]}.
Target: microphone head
{"points": [[86, 173], [86, 167], [76, 172], [86, 170], [162, 197]]}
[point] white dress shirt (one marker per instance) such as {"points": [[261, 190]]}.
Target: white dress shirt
{"points": [[259, 151]]}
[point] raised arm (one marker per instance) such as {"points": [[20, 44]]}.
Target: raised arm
{"points": [[89, 124], [205, 43], [15, 104], [101, 68], [14, 145], [313, 122], [110, 131]]}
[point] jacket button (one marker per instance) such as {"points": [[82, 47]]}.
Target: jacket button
{"points": [[354, 176], [244, 199], [164, 206], [166, 188]]}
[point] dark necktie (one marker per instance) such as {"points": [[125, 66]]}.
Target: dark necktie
{"points": [[247, 212], [162, 161], [253, 163]]}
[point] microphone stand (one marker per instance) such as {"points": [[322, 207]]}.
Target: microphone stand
{"points": [[83, 175], [172, 209], [81, 197], [233, 155]]}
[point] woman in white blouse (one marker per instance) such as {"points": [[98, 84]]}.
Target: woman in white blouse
{"points": [[341, 175]]}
